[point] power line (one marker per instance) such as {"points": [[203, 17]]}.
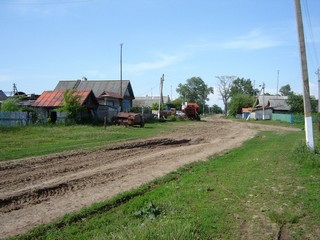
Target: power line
{"points": [[309, 24], [43, 2]]}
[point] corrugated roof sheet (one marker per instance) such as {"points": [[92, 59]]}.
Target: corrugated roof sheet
{"points": [[279, 104], [98, 86], [55, 98]]}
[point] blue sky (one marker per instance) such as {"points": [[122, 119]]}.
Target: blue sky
{"points": [[44, 41]]}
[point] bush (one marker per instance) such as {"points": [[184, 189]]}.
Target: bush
{"points": [[305, 157], [10, 105], [172, 118]]}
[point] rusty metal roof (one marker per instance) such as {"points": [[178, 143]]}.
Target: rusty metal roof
{"points": [[55, 98]]}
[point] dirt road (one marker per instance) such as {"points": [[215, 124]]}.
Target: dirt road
{"points": [[37, 190]]}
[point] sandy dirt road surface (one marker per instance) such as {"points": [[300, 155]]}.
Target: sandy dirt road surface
{"points": [[38, 190]]}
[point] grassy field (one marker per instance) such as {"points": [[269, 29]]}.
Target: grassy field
{"points": [[30, 141], [266, 189]]}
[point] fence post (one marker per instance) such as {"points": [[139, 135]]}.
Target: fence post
{"points": [[291, 118]]}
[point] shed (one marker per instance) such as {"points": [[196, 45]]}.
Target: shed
{"points": [[51, 100], [147, 101], [246, 112], [261, 114]]}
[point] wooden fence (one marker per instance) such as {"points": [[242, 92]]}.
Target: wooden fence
{"points": [[15, 118], [292, 118]]}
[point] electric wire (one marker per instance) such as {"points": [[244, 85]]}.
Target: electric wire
{"points": [[43, 2], [310, 28]]}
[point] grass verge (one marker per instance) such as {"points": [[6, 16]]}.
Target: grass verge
{"points": [[261, 190], [19, 142]]}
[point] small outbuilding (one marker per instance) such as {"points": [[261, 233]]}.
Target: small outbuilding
{"points": [[50, 101]]}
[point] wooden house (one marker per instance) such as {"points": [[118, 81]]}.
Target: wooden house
{"points": [[112, 95]]}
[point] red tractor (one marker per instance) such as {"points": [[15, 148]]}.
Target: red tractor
{"points": [[191, 111]]}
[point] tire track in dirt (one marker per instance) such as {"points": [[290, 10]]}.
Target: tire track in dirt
{"points": [[37, 190], [96, 175]]}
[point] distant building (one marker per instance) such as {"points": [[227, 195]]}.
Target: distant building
{"points": [[147, 101], [278, 104], [3, 96], [267, 105]]}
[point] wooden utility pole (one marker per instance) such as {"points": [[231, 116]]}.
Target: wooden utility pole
{"points": [[318, 73], [121, 44], [161, 95], [305, 80]]}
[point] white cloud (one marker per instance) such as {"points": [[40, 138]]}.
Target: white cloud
{"points": [[44, 8], [6, 78], [94, 74], [162, 62], [254, 40]]}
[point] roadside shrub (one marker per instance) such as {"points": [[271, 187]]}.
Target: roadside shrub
{"points": [[305, 157], [172, 118], [10, 105]]}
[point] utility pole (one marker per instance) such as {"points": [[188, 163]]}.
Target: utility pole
{"points": [[305, 80], [161, 94], [263, 86], [278, 82], [318, 73], [121, 44]]}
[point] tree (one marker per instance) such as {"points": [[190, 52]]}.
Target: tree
{"points": [[238, 102], [216, 109], [296, 103], [71, 104], [155, 106], [224, 85], [195, 90], [177, 103], [242, 86], [10, 105], [285, 90]]}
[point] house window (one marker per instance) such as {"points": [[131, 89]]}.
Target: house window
{"points": [[126, 105], [110, 103]]}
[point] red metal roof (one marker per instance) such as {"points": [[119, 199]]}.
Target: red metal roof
{"points": [[55, 98]]}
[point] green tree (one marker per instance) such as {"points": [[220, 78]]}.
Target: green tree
{"points": [[238, 102], [155, 106], [10, 105], [242, 86], [295, 101], [285, 90], [177, 103], [195, 90], [71, 104], [216, 109]]}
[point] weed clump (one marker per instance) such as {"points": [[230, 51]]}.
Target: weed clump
{"points": [[305, 157]]}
